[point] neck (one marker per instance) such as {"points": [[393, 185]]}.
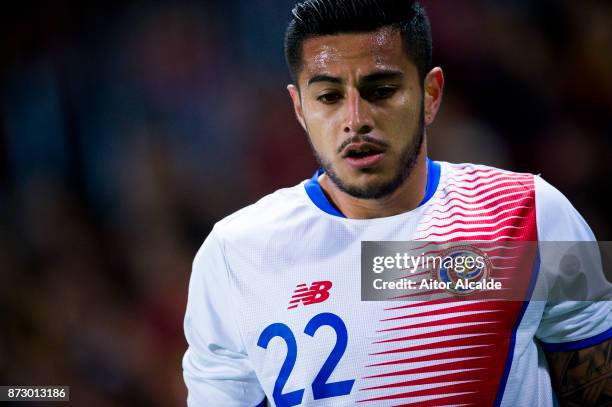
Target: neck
{"points": [[404, 199]]}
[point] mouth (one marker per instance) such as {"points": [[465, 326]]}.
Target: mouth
{"points": [[363, 155]]}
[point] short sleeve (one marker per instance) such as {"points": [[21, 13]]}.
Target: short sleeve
{"points": [[580, 314], [216, 367]]}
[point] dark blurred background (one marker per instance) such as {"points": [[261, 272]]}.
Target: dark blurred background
{"points": [[127, 129]]}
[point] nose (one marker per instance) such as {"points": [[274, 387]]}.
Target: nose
{"points": [[358, 117]]}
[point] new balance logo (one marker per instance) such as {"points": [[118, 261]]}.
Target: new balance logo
{"points": [[316, 293]]}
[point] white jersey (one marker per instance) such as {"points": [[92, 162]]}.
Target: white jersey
{"points": [[275, 313]]}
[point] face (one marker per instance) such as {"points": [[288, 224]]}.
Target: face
{"points": [[362, 105]]}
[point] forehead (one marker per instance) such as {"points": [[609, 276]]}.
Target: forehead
{"points": [[354, 53]]}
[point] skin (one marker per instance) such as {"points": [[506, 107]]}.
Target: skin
{"points": [[364, 87], [583, 377]]}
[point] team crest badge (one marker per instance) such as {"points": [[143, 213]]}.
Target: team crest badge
{"points": [[463, 268]]}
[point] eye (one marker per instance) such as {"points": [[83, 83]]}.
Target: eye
{"points": [[329, 98], [383, 92]]}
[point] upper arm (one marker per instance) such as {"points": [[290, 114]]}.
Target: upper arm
{"points": [[578, 294], [216, 367], [576, 327]]}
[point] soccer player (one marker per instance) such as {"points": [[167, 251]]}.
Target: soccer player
{"points": [[274, 312]]}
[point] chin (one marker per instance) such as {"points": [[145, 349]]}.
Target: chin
{"points": [[371, 189]]}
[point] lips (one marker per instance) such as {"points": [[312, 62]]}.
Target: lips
{"points": [[363, 155]]}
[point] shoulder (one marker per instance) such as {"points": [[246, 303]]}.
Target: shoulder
{"points": [[484, 184], [468, 174], [557, 217], [498, 189], [270, 215]]}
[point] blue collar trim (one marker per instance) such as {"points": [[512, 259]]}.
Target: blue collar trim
{"points": [[316, 195], [315, 192], [433, 179]]}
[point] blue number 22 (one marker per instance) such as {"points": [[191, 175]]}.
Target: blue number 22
{"points": [[320, 388]]}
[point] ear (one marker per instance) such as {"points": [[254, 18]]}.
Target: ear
{"points": [[433, 90], [294, 93]]}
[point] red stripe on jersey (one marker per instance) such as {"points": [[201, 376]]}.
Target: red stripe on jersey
{"points": [[466, 343]]}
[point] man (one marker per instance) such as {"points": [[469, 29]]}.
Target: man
{"points": [[274, 310]]}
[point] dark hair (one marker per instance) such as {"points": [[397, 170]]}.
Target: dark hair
{"points": [[313, 18]]}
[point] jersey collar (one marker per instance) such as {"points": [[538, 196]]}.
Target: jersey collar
{"points": [[316, 195]]}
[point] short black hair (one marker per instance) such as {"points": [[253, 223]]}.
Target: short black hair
{"points": [[312, 18]]}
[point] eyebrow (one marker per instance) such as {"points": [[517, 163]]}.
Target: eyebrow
{"points": [[373, 77], [381, 76], [323, 78]]}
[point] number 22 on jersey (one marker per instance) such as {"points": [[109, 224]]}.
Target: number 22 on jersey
{"points": [[321, 389]]}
